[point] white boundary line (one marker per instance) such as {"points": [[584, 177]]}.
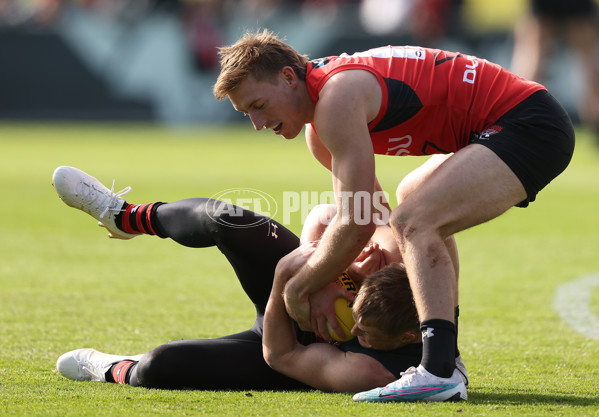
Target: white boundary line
{"points": [[572, 303]]}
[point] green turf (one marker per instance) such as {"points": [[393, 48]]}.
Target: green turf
{"points": [[64, 285]]}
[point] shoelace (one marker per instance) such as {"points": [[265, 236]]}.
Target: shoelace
{"points": [[410, 370], [113, 198], [392, 385], [94, 194]]}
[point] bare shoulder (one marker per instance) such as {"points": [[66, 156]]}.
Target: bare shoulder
{"points": [[356, 79], [356, 91]]}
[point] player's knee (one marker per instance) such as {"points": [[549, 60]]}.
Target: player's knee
{"points": [[151, 368], [411, 225], [402, 224]]}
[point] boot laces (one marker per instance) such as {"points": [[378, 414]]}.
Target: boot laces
{"points": [[409, 371], [98, 197]]}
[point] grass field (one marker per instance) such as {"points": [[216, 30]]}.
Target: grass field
{"points": [[65, 285]]}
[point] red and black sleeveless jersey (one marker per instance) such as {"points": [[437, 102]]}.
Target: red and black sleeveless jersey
{"points": [[433, 100]]}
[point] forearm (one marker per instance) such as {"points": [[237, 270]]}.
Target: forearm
{"points": [[279, 338], [339, 246]]}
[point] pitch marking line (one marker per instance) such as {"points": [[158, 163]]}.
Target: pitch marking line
{"points": [[572, 303]]}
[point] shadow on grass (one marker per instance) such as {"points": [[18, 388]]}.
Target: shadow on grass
{"points": [[523, 398]]}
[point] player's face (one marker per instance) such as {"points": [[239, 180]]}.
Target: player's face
{"points": [[271, 103], [372, 338]]}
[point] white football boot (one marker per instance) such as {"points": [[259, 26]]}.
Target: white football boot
{"points": [[84, 192], [417, 384], [462, 370], [89, 364]]}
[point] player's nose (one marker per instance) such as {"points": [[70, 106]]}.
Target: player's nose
{"points": [[258, 121]]}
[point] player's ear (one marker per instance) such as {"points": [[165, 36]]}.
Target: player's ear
{"points": [[408, 337], [289, 76]]}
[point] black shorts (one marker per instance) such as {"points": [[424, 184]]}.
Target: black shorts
{"points": [[535, 139]]}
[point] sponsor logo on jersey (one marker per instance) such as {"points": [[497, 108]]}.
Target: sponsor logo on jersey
{"points": [[319, 62], [409, 52]]}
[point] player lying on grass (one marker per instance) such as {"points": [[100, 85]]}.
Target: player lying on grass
{"points": [[237, 361]]}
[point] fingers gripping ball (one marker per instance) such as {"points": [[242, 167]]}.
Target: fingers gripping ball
{"points": [[343, 309]]}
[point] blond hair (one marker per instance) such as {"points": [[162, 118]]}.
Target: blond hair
{"points": [[385, 301], [261, 54]]}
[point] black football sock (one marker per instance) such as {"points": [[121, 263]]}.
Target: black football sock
{"points": [[120, 372], [438, 345], [138, 219]]}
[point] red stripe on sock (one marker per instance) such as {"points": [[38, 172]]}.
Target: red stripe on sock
{"points": [[138, 218], [125, 220], [148, 212], [119, 371]]}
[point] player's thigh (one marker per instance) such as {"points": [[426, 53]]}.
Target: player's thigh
{"points": [[416, 177], [471, 187]]}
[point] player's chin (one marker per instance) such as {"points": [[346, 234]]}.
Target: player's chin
{"points": [[288, 131], [289, 136], [364, 343]]}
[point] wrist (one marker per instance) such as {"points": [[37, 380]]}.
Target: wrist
{"points": [[293, 292]]}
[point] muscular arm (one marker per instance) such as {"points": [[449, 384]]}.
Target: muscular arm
{"points": [[347, 102], [322, 155], [319, 365]]}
